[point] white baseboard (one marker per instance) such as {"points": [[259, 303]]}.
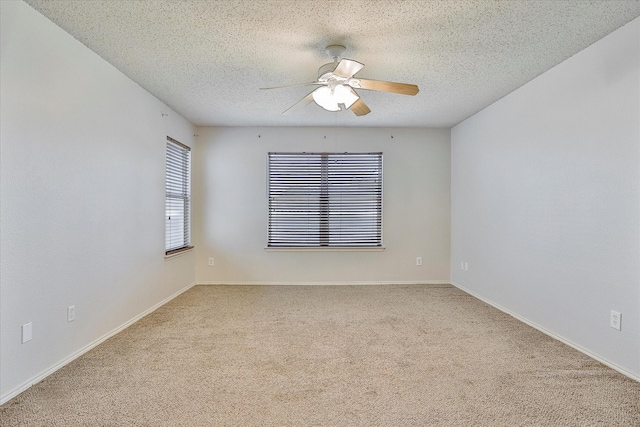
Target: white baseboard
{"points": [[348, 283], [551, 334], [35, 380]]}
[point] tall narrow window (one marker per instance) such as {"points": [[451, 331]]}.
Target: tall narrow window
{"points": [[325, 199], [178, 198]]}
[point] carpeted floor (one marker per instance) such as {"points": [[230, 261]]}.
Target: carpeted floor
{"points": [[329, 355]]}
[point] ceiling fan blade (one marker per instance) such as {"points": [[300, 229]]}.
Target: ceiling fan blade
{"points": [[380, 86], [359, 108], [298, 105], [347, 68], [293, 85]]}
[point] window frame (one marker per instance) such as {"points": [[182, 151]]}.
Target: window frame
{"points": [[179, 155], [320, 237]]}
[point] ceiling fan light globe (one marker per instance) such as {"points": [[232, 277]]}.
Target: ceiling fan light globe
{"points": [[344, 95], [325, 98]]}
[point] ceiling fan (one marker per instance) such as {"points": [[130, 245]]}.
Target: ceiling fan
{"points": [[337, 86]]}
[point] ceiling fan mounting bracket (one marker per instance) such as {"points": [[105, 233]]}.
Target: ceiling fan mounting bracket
{"points": [[335, 51]]}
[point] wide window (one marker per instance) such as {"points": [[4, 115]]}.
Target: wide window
{"points": [[325, 199], [178, 198]]}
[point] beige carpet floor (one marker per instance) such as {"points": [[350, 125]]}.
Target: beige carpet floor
{"points": [[329, 356]]}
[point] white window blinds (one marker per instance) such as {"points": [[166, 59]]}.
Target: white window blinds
{"points": [[178, 197], [325, 199]]}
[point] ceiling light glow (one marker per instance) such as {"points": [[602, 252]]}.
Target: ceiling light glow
{"points": [[325, 98], [329, 97]]}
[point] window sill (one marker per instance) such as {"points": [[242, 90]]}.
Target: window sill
{"points": [[179, 252], [326, 249]]}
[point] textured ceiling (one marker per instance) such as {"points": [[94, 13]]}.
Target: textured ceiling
{"points": [[208, 59]]}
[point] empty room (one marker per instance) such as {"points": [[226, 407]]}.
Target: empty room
{"points": [[340, 213]]}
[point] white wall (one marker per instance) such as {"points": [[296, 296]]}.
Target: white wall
{"points": [[82, 197], [230, 214], [546, 201]]}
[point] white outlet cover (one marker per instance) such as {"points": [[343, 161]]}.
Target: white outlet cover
{"points": [[461, 265], [615, 320], [466, 266]]}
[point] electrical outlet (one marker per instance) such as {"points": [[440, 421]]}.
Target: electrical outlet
{"points": [[210, 261], [615, 321], [27, 332], [419, 260], [462, 265], [71, 313], [466, 266]]}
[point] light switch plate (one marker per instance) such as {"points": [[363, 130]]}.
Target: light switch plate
{"points": [[27, 332]]}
